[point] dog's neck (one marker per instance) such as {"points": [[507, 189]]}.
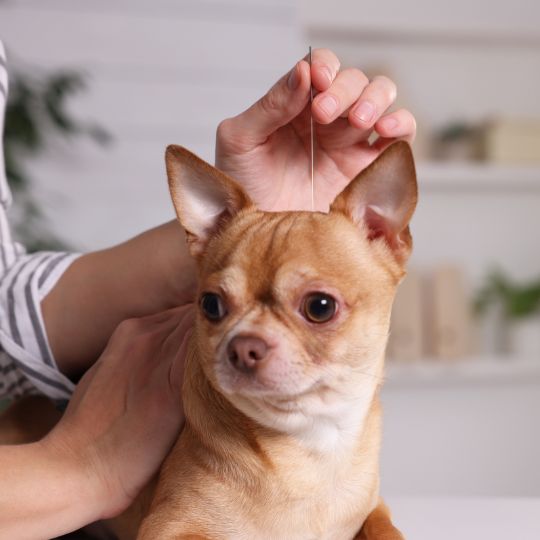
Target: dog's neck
{"points": [[339, 440]]}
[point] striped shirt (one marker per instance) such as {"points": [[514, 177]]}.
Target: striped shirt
{"points": [[26, 362]]}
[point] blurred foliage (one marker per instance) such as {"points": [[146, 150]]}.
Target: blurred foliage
{"points": [[36, 111], [456, 131], [517, 300]]}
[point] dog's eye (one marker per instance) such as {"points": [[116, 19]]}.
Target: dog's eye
{"points": [[319, 307], [213, 307]]}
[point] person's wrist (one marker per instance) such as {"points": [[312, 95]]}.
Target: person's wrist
{"points": [[81, 483]]}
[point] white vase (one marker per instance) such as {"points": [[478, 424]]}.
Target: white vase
{"points": [[524, 338]]}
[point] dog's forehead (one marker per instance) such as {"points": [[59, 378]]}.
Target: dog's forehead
{"points": [[260, 250]]}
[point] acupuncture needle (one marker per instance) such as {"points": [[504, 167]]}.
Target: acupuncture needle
{"points": [[312, 138]]}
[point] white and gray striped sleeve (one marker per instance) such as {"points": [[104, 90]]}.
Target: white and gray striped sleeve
{"points": [[26, 361]]}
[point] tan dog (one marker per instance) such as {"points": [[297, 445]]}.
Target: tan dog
{"points": [[281, 385], [282, 431]]}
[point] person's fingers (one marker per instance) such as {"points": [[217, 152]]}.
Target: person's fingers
{"points": [[170, 355], [171, 342], [176, 367], [324, 68], [157, 325], [376, 98], [344, 91], [400, 124], [158, 348], [340, 135], [276, 108], [167, 317]]}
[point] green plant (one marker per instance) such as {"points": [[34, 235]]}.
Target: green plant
{"points": [[517, 300], [36, 112], [456, 131]]}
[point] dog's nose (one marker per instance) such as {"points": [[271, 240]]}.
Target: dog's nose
{"points": [[246, 352]]}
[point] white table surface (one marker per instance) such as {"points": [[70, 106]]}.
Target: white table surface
{"points": [[467, 518]]}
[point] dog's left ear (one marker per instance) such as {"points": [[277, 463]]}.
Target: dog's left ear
{"points": [[204, 197], [382, 198]]}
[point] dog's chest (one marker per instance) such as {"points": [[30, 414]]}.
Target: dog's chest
{"points": [[301, 496], [318, 505]]}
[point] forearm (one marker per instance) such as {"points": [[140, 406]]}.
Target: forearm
{"points": [[149, 273], [43, 495]]}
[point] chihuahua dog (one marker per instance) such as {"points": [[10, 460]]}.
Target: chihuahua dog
{"points": [[283, 423]]}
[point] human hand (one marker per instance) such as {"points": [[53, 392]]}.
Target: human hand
{"points": [[127, 411], [267, 147]]}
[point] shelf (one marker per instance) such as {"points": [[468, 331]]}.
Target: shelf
{"points": [[452, 24], [477, 176], [420, 36], [474, 370]]}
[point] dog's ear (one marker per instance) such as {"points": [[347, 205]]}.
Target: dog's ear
{"points": [[382, 198], [204, 197]]}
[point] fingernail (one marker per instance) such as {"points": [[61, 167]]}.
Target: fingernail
{"points": [[294, 79], [328, 104], [365, 112]]}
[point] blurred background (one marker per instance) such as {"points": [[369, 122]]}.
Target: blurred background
{"points": [[99, 88]]}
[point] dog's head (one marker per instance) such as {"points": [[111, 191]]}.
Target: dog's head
{"points": [[294, 307]]}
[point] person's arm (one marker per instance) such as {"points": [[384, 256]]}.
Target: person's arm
{"points": [[118, 427], [43, 494], [147, 274]]}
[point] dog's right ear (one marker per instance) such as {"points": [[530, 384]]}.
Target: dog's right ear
{"points": [[204, 197]]}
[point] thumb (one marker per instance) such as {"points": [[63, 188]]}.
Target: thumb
{"points": [[283, 102]]}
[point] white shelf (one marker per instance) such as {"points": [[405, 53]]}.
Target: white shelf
{"points": [[474, 370], [452, 24], [477, 176]]}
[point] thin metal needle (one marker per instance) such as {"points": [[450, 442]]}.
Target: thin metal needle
{"points": [[312, 140]]}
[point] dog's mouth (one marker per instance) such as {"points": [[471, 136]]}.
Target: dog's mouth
{"points": [[291, 403], [278, 404], [281, 408], [280, 392]]}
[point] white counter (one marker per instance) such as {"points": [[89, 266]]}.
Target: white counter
{"points": [[467, 518]]}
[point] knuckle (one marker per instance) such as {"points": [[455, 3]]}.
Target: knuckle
{"points": [[225, 129], [152, 338], [128, 327], [359, 76], [137, 332], [146, 342], [270, 102], [229, 136]]}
